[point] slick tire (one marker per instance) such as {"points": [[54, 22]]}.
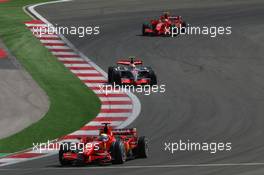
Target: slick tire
{"points": [[153, 78], [118, 152], [110, 74], [116, 77], [62, 161], [142, 149], [144, 27]]}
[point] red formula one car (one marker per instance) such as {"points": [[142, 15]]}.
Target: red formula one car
{"points": [[164, 26], [131, 71], [111, 146]]}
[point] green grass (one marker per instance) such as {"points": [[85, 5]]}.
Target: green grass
{"points": [[3, 154], [72, 104]]}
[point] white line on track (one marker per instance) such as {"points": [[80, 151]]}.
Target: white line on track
{"points": [[113, 115], [37, 25], [104, 91], [117, 106], [94, 84], [139, 166], [78, 65], [114, 98], [52, 41], [85, 72], [85, 132], [70, 59], [58, 47], [93, 78], [47, 36], [63, 53]]}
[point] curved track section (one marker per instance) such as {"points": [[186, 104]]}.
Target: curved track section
{"points": [[117, 107], [214, 86]]}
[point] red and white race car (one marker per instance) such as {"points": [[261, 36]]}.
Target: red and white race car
{"points": [[110, 146], [131, 71], [164, 25]]}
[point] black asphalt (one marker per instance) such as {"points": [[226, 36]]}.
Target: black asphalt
{"points": [[214, 86]]}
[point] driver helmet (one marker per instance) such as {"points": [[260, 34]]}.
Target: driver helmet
{"points": [[103, 137], [166, 15], [83, 140], [133, 66], [131, 59]]}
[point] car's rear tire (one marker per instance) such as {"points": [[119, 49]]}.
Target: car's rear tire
{"points": [[142, 148], [144, 27], [153, 78], [118, 152], [62, 161]]}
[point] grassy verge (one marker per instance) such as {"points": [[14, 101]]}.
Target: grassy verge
{"points": [[72, 104], [3, 154]]}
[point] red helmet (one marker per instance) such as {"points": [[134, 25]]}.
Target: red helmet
{"points": [[83, 140]]}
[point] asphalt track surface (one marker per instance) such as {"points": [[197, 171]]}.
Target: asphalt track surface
{"points": [[22, 101], [214, 86]]}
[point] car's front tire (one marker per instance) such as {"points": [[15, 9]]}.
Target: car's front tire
{"points": [[118, 152]]}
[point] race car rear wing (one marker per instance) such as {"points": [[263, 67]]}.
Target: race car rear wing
{"points": [[130, 131], [175, 17], [128, 62]]}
